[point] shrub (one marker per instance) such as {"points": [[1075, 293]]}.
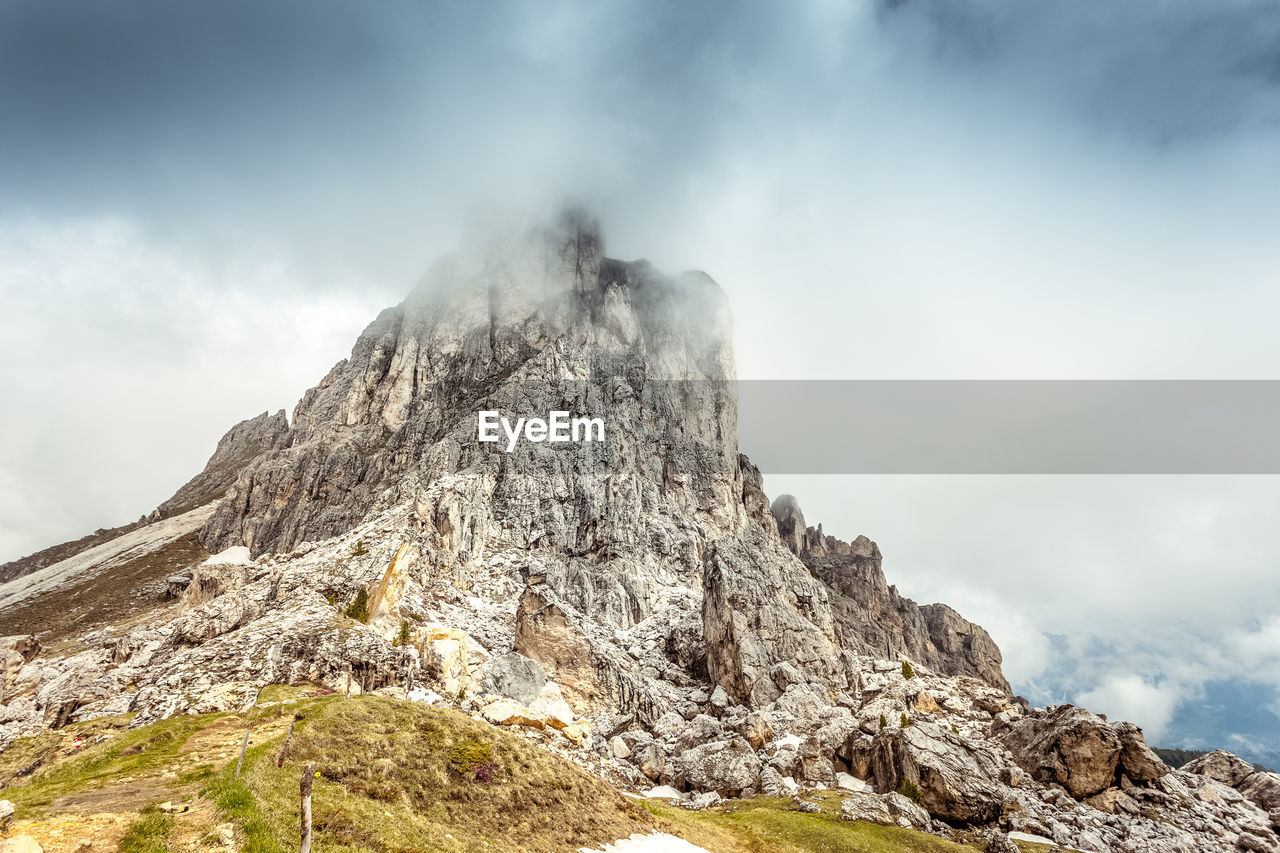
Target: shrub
{"points": [[473, 758], [883, 722], [911, 791], [485, 772], [359, 550], [905, 721], [907, 671], [359, 609]]}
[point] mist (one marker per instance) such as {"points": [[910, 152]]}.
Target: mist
{"points": [[202, 207]]}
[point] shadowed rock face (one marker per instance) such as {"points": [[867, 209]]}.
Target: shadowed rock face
{"points": [[1066, 745]]}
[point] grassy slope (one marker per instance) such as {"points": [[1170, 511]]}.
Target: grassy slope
{"points": [[387, 782], [767, 825]]}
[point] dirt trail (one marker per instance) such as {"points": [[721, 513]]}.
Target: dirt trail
{"points": [[102, 816]]}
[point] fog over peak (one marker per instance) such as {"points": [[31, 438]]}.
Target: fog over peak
{"points": [[204, 204]]}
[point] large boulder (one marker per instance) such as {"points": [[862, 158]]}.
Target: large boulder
{"points": [[1263, 789], [218, 616], [867, 807], [16, 651], [1113, 801], [649, 760], [513, 675], [1137, 761], [757, 729], [728, 767], [1065, 745], [1221, 765], [444, 658], [907, 812], [957, 777]]}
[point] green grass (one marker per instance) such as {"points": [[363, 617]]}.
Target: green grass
{"points": [[148, 834], [197, 774], [286, 692], [389, 780], [769, 825], [127, 752], [400, 776], [235, 802]]}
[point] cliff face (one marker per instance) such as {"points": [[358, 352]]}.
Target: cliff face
{"points": [[243, 444], [873, 619], [543, 321], [524, 325]]}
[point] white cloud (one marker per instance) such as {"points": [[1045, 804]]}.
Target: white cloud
{"points": [[1126, 696], [122, 363], [1085, 583]]}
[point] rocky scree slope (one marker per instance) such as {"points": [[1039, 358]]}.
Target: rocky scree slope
{"points": [[636, 599]]}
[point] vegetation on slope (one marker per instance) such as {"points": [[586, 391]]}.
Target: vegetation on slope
{"points": [[120, 595], [392, 776], [770, 825]]}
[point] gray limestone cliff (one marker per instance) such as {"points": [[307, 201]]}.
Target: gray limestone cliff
{"points": [[872, 618], [242, 444], [543, 320]]}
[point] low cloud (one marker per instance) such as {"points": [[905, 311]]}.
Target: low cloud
{"points": [[131, 360], [1127, 696], [204, 204], [1142, 597]]}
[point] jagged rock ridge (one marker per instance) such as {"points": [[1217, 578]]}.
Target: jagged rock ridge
{"points": [[872, 618]]}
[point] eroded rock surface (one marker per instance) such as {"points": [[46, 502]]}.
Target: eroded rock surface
{"points": [[635, 602]]}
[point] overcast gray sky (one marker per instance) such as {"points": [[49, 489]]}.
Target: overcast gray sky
{"points": [[202, 205]]}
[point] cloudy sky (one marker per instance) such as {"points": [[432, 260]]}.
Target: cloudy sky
{"points": [[202, 205]]}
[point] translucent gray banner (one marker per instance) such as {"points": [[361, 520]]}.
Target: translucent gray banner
{"points": [[1011, 427]]}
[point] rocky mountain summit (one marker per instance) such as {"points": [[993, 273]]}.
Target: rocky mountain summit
{"points": [[636, 601]]}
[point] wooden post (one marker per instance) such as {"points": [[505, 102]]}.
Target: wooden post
{"points": [[308, 776], [284, 749], [243, 746]]}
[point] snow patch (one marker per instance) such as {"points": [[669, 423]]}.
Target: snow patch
{"points": [[122, 549], [1031, 838], [852, 783], [657, 842], [663, 792], [236, 555]]}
